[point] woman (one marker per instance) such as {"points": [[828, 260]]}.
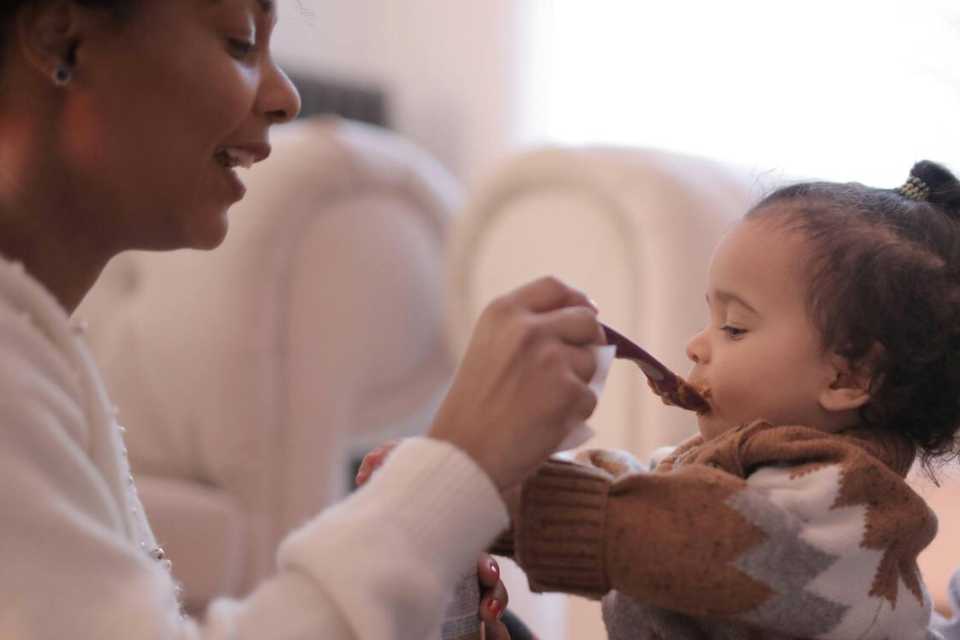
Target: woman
{"points": [[122, 123]]}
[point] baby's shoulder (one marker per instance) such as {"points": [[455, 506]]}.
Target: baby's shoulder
{"points": [[799, 449]]}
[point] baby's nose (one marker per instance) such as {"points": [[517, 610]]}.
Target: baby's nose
{"points": [[697, 349]]}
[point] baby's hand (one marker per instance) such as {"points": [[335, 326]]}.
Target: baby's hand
{"points": [[616, 462], [373, 461]]}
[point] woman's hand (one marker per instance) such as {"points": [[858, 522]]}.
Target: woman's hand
{"points": [[493, 598], [522, 384]]}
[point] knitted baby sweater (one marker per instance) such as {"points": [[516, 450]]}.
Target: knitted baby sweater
{"points": [[763, 532]]}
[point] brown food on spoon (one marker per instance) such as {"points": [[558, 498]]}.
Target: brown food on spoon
{"points": [[672, 389], [684, 395]]}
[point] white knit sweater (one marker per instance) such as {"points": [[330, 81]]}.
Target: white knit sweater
{"points": [[75, 545]]}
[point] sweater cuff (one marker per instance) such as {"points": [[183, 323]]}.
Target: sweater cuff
{"points": [[430, 493], [444, 481], [560, 537]]}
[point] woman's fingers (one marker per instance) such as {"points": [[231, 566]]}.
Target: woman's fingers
{"points": [[488, 571], [574, 325], [547, 294], [493, 605], [579, 360], [494, 597], [586, 402]]}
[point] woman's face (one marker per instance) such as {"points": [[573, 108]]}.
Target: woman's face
{"points": [[158, 107]]}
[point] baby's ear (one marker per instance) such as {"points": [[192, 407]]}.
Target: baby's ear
{"points": [[850, 386]]}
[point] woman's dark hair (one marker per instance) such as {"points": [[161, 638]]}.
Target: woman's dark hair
{"points": [[884, 292], [10, 8]]}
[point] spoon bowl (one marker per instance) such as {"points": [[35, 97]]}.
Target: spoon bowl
{"points": [[671, 388]]}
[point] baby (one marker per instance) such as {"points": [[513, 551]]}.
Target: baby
{"points": [[830, 362]]}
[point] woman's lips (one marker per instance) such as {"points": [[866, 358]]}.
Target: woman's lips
{"points": [[235, 184]]}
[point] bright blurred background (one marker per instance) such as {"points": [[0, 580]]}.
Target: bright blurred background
{"points": [[838, 89]]}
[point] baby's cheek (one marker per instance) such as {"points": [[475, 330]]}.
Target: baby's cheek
{"points": [[739, 402]]}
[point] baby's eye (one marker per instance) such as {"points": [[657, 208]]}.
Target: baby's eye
{"points": [[241, 49], [733, 332]]}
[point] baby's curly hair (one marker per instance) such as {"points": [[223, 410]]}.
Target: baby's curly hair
{"points": [[884, 292]]}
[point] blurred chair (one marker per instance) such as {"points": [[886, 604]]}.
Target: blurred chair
{"points": [[634, 229], [249, 377]]}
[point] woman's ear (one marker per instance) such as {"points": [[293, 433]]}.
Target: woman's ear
{"points": [[47, 34], [849, 386]]}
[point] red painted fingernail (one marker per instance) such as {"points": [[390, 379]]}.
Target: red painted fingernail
{"points": [[494, 568], [495, 608]]}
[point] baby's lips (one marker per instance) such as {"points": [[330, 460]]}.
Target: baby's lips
{"points": [[705, 393], [695, 396], [678, 392]]}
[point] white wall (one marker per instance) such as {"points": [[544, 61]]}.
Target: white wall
{"points": [[446, 65]]}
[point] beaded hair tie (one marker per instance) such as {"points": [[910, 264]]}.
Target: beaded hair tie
{"points": [[915, 189]]}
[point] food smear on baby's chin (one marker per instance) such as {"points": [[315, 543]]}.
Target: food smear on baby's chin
{"points": [[682, 394]]}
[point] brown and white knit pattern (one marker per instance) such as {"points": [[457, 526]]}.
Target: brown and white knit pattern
{"points": [[764, 532]]}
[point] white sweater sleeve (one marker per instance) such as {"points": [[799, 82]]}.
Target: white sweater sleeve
{"points": [[378, 566], [382, 563]]}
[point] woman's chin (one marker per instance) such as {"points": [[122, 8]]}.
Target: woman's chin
{"points": [[209, 231]]}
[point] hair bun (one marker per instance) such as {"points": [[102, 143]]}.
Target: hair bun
{"points": [[944, 186]]}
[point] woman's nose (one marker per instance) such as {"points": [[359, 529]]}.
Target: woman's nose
{"points": [[697, 348], [279, 98]]}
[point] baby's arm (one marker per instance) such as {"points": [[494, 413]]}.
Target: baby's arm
{"points": [[819, 538]]}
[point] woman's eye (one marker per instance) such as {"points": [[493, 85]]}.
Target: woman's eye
{"points": [[241, 49], [733, 332]]}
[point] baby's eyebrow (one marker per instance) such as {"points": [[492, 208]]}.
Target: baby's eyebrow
{"points": [[728, 296]]}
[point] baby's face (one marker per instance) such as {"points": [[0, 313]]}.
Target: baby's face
{"points": [[759, 356]]}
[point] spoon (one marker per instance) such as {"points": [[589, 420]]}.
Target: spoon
{"points": [[671, 388]]}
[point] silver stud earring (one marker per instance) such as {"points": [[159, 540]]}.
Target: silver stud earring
{"points": [[62, 75]]}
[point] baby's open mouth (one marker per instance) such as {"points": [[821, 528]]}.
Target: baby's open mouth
{"points": [[671, 388]]}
